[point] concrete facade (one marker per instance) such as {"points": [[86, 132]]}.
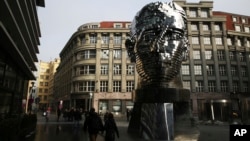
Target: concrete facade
{"points": [[95, 69], [218, 67]]}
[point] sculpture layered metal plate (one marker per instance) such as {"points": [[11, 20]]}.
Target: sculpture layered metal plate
{"points": [[158, 42]]}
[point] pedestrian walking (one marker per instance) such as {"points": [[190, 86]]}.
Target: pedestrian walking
{"points": [[128, 114], [105, 117], [110, 128], [93, 123], [58, 113], [65, 114], [77, 117]]}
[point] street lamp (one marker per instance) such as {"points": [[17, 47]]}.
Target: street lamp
{"points": [[90, 100]]}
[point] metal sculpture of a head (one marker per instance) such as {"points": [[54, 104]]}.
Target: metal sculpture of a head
{"points": [[158, 42]]}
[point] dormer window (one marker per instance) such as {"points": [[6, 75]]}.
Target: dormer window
{"points": [[234, 19], [128, 25], [117, 25], [94, 26]]}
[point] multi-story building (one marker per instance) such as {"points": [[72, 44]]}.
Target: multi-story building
{"points": [[217, 72], [218, 67], [95, 69], [45, 83], [19, 40]]}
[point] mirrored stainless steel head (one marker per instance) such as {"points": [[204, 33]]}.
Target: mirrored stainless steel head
{"points": [[158, 42]]}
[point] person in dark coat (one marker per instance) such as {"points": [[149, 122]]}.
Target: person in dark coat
{"points": [[94, 124], [77, 117], [58, 113], [110, 128]]}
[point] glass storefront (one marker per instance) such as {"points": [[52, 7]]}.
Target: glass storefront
{"points": [[103, 106]]}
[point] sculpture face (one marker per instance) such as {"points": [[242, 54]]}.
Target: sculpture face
{"points": [[158, 42]]}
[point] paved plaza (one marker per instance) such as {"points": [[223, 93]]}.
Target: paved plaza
{"points": [[67, 131]]}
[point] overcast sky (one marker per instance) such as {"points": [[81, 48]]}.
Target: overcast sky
{"points": [[61, 18]]}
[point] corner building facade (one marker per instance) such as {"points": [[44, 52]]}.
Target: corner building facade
{"points": [[95, 70]]}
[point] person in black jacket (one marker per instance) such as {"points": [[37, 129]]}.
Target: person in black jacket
{"points": [[110, 128], [93, 123]]}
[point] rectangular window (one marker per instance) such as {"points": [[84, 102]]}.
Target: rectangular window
{"points": [[206, 26], [210, 70], [242, 57], [245, 86], [117, 54], [248, 43], [208, 54], [199, 86], [117, 25], [185, 69], [247, 29], [103, 86], [130, 86], [46, 90], [217, 27], [93, 38], [218, 41], [207, 40], [116, 86], [222, 70], [41, 83], [221, 55], [194, 26], [243, 71], [204, 13], [224, 86], [117, 39], [104, 69], [117, 70], [234, 70], [195, 40], [234, 19], [186, 85], [240, 42], [87, 54], [197, 70], [229, 41], [211, 86], [86, 86], [83, 39], [243, 20], [105, 54], [235, 86], [238, 28], [192, 13], [94, 26], [196, 54], [87, 69], [105, 39], [232, 55], [130, 69]]}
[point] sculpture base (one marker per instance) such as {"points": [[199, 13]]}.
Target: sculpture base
{"points": [[163, 114]]}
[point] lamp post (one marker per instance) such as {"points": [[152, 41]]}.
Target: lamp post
{"points": [[90, 100]]}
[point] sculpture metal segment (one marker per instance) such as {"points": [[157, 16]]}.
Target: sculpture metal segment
{"points": [[158, 43]]}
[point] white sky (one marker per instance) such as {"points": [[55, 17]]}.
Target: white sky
{"points": [[61, 18]]}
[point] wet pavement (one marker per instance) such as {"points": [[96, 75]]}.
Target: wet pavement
{"points": [[67, 131]]}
